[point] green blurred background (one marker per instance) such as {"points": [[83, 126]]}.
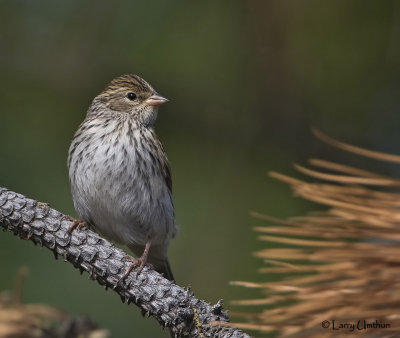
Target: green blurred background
{"points": [[246, 81]]}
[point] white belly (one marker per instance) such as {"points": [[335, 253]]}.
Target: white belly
{"points": [[113, 189]]}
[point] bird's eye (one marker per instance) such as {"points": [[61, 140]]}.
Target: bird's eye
{"points": [[131, 96]]}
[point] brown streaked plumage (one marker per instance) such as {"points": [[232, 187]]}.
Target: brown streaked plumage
{"points": [[120, 176]]}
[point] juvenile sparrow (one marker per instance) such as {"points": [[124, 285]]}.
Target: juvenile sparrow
{"points": [[119, 173]]}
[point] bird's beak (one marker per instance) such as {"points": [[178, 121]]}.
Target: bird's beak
{"points": [[155, 100]]}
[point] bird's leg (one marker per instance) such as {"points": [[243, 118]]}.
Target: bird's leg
{"points": [[141, 261], [76, 223]]}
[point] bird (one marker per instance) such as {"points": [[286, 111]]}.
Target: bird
{"points": [[120, 175]]}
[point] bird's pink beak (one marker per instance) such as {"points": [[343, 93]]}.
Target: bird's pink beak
{"points": [[155, 100]]}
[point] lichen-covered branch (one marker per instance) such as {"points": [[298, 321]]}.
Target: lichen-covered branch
{"points": [[171, 305]]}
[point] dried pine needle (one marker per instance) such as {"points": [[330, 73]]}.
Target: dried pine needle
{"points": [[342, 263]]}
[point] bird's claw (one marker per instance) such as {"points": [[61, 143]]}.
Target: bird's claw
{"points": [[140, 263], [76, 224]]}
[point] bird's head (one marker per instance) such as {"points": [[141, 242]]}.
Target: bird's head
{"points": [[130, 94]]}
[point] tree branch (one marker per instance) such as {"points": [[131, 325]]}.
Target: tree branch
{"points": [[171, 305]]}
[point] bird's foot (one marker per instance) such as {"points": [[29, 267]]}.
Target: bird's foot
{"points": [[76, 224], [140, 262]]}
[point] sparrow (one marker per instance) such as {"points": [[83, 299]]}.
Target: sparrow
{"points": [[120, 175]]}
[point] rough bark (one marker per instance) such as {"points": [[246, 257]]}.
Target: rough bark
{"points": [[171, 305]]}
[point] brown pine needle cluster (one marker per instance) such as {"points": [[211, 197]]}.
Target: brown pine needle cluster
{"points": [[339, 267], [18, 320]]}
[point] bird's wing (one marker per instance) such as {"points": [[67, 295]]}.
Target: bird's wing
{"points": [[167, 176]]}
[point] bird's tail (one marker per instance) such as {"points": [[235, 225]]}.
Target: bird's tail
{"points": [[165, 269]]}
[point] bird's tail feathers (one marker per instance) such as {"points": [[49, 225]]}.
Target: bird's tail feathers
{"points": [[165, 269]]}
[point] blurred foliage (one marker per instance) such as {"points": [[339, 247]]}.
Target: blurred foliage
{"points": [[246, 80], [40, 320], [334, 266]]}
